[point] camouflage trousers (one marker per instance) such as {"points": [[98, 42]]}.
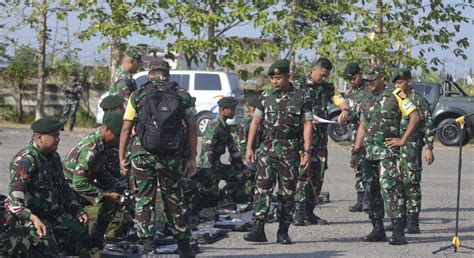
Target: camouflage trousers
{"points": [[410, 169], [271, 170], [107, 211], [147, 174], [358, 174], [304, 191], [382, 181], [70, 109]]}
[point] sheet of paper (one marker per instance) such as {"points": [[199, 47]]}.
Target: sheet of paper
{"points": [[323, 121]]}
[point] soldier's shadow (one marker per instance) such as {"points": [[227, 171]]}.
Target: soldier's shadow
{"points": [[443, 240], [325, 253]]}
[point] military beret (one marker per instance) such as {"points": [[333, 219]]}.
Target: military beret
{"points": [[227, 102], [114, 121], [163, 65], [402, 74], [45, 125], [279, 67], [112, 101], [351, 70], [252, 101], [372, 72], [134, 54]]}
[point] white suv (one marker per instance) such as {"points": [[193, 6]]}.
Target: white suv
{"points": [[207, 87]]}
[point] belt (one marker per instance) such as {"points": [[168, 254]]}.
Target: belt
{"points": [[285, 136]]}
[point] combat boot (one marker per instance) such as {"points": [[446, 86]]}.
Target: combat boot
{"points": [[257, 234], [312, 218], [389, 227], [398, 235], [185, 250], [98, 232], [148, 245], [377, 234], [413, 225], [357, 207], [299, 216], [365, 203], [282, 234]]}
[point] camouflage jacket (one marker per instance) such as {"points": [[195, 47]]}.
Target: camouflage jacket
{"points": [[243, 134], [123, 83], [37, 185], [425, 125], [215, 139], [76, 95], [382, 115], [283, 115], [133, 110], [355, 97], [89, 169]]}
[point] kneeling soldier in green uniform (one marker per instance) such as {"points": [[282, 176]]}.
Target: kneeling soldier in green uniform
{"points": [[89, 171], [113, 103], [49, 219]]}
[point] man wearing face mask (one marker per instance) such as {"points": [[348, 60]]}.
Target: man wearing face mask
{"points": [[89, 171], [123, 83], [324, 92]]}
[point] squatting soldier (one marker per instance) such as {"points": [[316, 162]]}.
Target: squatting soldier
{"points": [[287, 120], [411, 151], [324, 92], [379, 129], [147, 168], [355, 95], [215, 139], [89, 170], [72, 92], [42, 204], [123, 83], [113, 103]]}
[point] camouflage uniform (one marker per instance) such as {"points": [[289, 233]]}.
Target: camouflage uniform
{"points": [[72, 103], [123, 83], [411, 153], [148, 169], [37, 186], [382, 115], [243, 133], [283, 114], [211, 171]]}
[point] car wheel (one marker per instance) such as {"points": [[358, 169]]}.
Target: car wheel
{"points": [[339, 133], [202, 122], [451, 134]]}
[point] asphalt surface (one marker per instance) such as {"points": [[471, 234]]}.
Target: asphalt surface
{"points": [[341, 236]]}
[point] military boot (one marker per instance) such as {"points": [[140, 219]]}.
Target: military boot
{"points": [[282, 234], [398, 235], [413, 225], [365, 203], [312, 218], [357, 207], [389, 227], [257, 234], [185, 250], [300, 213], [377, 234], [148, 245], [98, 232]]}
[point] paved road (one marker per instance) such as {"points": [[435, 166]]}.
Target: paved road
{"points": [[341, 237]]}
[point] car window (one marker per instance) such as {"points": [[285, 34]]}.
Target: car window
{"points": [[207, 82], [141, 80], [421, 89], [181, 79]]}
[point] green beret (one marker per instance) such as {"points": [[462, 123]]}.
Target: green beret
{"points": [[252, 101], [227, 102], [163, 65], [372, 72], [351, 70], [402, 74], [134, 54], [114, 121], [279, 67], [112, 101], [45, 125]]}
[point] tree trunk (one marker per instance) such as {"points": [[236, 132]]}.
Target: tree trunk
{"points": [[189, 61], [115, 52], [42, 37], [20, 102], [210, 37], [379, 29], [293, 39]]}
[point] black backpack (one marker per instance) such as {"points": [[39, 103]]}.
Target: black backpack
{"points": [[160, 127]]}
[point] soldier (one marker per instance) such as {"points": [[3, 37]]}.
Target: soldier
{"points": [[379, 129], [355, 95], [147, 168], [72, 92], [215, 139], [123, 83], [113, 103], [89, 171], [287, 121], [243, 131], [411, 151], [307, 191], [42, 204]]}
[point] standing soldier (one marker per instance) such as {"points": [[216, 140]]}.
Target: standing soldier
{"points": [[379, 129], [355, 95], [156, 154], [72, 92], [324, 92], [89, 171], [243, 131], [287, 121], [40, 200], [123, 83], [411, 151]]}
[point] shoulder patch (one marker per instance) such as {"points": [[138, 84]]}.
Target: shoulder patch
{"points": [[399, 93]]}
